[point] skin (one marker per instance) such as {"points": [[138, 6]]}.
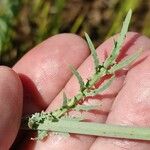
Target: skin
{"points": [[42, 74]]}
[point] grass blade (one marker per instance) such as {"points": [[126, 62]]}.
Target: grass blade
{"points": [[93, 51], [97, 129], [76, 73], [125, 62], [117, 46]]}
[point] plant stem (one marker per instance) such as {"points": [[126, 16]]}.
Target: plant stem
{"points": [[97, 76], [55, 121], [73, 101], [97, 129]]}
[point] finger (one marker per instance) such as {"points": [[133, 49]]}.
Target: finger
{"points": [[71, 88], [131, 107], [11, 98], [44, 70]]}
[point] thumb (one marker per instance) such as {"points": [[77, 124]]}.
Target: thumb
{"points": [[11, 97]]}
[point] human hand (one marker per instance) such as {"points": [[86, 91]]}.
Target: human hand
{"points": [[44, 74]]}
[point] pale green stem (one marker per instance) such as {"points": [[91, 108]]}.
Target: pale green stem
{"points": [[97, 129], [73, 101], [97, 76]]}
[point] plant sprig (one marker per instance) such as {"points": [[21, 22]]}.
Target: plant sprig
{"points": [[46, 122]]}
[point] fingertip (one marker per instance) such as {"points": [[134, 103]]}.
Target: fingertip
{"points": [[11, 97], [68, 42]]}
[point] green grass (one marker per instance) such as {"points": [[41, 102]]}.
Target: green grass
{"points": [[7, 21], [25, 23], [120, 14]]}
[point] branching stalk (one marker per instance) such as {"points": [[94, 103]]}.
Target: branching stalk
{"points": [[59, 120]]}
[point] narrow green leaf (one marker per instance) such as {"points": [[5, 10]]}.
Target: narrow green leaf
{"points": [[76, 73], [118, 44], [97, 129], [85, 107], [102, 88], [64, 99], [125, 62], [93, 51]]}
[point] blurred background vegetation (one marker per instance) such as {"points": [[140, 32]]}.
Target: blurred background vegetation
{"points": [[25, 23]]}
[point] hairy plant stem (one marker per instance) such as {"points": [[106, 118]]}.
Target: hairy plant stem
{"points": [[80, 96]]}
